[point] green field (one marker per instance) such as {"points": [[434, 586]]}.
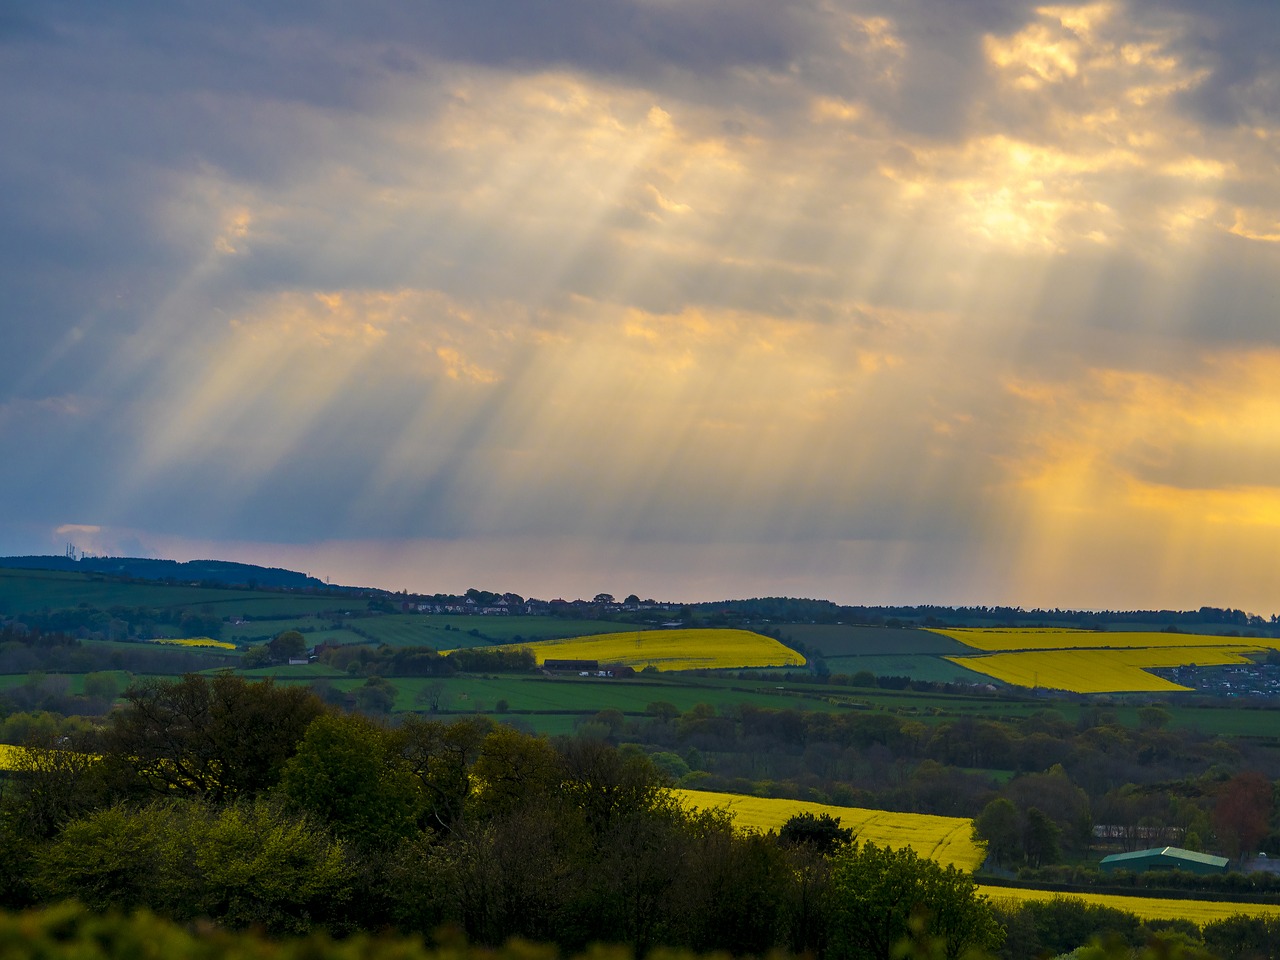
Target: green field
{"points": [[851, 640], [915, 666], [23, 590]]}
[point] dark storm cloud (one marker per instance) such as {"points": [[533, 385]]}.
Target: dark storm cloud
{"points": [[1238, 41]]}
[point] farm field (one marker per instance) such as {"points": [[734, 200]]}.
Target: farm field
{"points": [[1088, 661], [916, 666], [444, 632], [851, 640], [947, 840], [1147, 908], [1098, 671], [997, 639], [22, 590], [668, 650]]}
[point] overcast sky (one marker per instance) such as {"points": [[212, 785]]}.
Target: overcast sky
{"points": [[939, 301]]}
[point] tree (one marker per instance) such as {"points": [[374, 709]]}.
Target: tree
{"points": [[877, 891], [241, 865], [220, 738], [1040, 838], [1242, 814], [289, 645], [515, 768], [349, 773], [377, 695], [441, 755], [822, 832], [997, 826], [259, 655]]}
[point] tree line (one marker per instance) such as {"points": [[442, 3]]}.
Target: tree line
{"points": [[256, 806]]}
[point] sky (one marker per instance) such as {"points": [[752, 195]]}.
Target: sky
{"points": [[874, 301]]}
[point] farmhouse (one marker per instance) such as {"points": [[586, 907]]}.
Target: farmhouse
{"points": [[1165, 858]]}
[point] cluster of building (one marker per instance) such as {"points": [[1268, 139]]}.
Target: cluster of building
{"points": [[1260, 679]]}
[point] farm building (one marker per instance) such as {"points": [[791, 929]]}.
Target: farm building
{"points": [[1165, 858]]}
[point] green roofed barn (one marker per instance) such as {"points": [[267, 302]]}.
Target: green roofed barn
{"points": [[1165, 858]]}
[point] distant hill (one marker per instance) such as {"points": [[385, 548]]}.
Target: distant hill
{"points": [[223, 572]]}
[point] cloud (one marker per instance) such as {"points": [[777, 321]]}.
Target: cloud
{"points": [[742, 277]]}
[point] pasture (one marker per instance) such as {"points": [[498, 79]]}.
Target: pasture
{"points": [[26, 590], [852, 640], [916, 666], [447, 632], [946, 840], [668, 650]]}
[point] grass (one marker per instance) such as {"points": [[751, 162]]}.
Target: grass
{"points": [[1147, 908], [29, 590], [947, 840], [669, 650], [852, 640], [915, 666]]}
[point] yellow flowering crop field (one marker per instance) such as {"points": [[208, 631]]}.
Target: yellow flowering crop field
{"points": [[1098, 671], [1087, 661], [198, 642], [9, 756], [1148, 908], [669, 650], [1038, 638], [948, 840]]}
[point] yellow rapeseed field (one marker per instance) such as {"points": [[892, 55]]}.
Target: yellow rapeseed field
{"points": [[995, 639], [1087, 661], [198, 642], [669, 650], [1097, 671], [1148, 908], [948, 840], [9, 756]]}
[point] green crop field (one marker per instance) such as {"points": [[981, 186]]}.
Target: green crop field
{"points": [[915, 666], [851, 640]]}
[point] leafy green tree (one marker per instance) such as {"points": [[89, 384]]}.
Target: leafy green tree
{"points": [[220, 737], [514, 768], [349, 773], [288, 645], [377, 695], [441, 756], [607, 783], [876, 891], [821, 832], [259, 655], [241, 865], [1040, 838], [998, 827]]}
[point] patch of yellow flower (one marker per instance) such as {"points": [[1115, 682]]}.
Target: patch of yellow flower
{"points": [[197, 642], [669, 650], [1148, 908], [947, 840], [1040, 638], [1087, 661], [9, 756], [1097, 671]]}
